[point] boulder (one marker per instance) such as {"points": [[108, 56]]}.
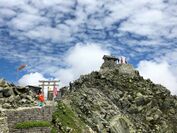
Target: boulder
{"points": [[119, 125], [7, 105], [1, 94], [7, 92], [2, 82]]}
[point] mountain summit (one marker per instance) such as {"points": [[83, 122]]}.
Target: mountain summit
{"points": [[116, 99]]}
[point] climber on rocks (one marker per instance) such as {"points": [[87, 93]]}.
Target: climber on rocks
{"points": [[41, 99]]}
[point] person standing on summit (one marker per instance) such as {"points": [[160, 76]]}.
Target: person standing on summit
{"points": [[122, 60]]}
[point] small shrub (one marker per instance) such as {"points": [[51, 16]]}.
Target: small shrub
{"points": [[31, 124], [54, 130], [67, 118]]}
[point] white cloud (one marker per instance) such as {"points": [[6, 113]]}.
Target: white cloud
{"points": [[31, 79], [81, 59], [153, 19], [7, 13], [159, 73], [61, 33], [11, 3], [43, 30], [26, 21]]}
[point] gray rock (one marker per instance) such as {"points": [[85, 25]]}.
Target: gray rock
{"points": [[6, 105], [2, 82], [23, 101], [119, 125], [29, 98], [7, 92], [1, 95], [1, 89], [109, 62], [11, 99]]}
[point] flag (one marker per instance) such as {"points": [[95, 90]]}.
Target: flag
{"points": [[55, 91], [21, 67]]}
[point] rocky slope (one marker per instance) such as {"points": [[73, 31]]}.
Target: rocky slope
{"points": [[116, 100], [12, 96]]}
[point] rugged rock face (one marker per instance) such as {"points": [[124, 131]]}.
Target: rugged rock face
{"points": [[117, 100], [12, 96]]}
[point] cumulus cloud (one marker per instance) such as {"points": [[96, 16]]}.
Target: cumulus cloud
{"points": [[39, 32], [160, 73], [81, 59], [78, 60], [26, 22], [31, 79], [64, 22], [61, 16]]}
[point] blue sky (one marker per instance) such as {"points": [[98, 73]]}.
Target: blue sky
{"points": [[63, 39]]}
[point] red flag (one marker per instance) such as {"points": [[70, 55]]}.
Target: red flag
{"points": [[55, 92], [21, 67]]}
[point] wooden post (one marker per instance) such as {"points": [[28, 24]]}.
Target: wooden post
{"points": [[43, 87]]}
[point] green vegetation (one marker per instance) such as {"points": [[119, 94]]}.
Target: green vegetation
{"points": [[54, 130], [31, 124], [67, 120]]}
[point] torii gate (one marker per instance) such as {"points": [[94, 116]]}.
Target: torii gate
{"points": [[52, 83]]}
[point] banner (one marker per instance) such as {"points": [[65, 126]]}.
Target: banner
{"points": [[55, 91]]}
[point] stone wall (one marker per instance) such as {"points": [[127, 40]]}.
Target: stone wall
{"points": [[126, 69], [33, 130], [28, 114]]}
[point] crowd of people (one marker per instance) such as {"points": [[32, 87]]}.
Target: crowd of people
{"points": [[122, 60]]}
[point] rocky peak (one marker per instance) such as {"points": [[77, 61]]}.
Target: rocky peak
{"points": [[111, 63], [118, 100]]}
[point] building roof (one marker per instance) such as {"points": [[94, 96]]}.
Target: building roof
{"points": [[109, 57]]}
